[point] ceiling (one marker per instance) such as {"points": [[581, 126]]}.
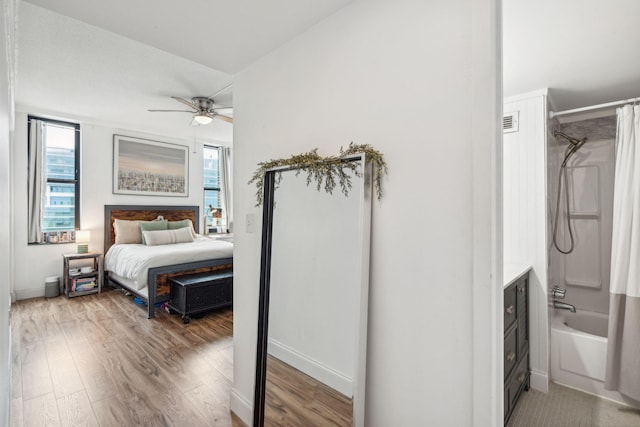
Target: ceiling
{"points": [[586, 52], [220, 34], [109, 62]]}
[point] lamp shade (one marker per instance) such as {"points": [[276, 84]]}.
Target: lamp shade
{"points": [[83, 236], [203, 119]]}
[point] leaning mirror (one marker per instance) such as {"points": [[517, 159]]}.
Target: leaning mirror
{"points": [[311, 354]]}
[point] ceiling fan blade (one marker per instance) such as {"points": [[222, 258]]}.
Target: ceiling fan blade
{"points": [[173, 111], [222, 108], [185, 102], [225, 118], [220, 91]]}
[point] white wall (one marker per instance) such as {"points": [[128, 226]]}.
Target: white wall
{"points": [[96, 148], [7, 74], [417, 80], [525, 219]]}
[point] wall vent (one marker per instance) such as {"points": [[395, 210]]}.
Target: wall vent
{"points": [[510, 122]]}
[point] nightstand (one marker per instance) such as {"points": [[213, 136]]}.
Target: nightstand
{"points": [[75, 281]]}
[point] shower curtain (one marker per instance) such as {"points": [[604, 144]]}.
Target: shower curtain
{"points": [[623, 354]]}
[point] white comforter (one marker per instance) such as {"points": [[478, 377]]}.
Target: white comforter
{"points": [[133, 261]]}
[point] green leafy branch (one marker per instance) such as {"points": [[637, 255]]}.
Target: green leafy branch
{"points": [[327, 172]]}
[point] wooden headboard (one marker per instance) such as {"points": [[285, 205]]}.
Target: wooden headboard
{"points": [[145, 213]]}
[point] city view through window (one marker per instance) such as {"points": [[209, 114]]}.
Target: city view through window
{"points": [[60, 197]]}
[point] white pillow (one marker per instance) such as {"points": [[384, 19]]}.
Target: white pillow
{"points": [[127, 231], [173, 225], [168, 237]]}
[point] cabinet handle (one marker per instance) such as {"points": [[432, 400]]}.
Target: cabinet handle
{"points": [[521, 377], [510, 309], [521, 290], [511, 356]]}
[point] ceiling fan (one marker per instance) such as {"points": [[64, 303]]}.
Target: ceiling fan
{"points": [[204, 110]]}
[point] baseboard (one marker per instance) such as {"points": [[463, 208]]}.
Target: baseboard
{"points": [[311, 367], [540, 381], [242, 407], [29, 293]]}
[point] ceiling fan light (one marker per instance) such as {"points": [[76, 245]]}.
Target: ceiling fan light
{"points": [[203, 119]]}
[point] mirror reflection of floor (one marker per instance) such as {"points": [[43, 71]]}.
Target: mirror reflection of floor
{"points": [[296, 399]]}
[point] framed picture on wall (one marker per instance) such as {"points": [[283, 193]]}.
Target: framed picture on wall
{"points": [[152, 168]]}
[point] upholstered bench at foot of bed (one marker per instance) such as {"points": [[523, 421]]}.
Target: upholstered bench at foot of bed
{"points": [[193, 294]]}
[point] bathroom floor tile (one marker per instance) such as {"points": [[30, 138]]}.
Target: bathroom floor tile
{"points": [[566, 407]]}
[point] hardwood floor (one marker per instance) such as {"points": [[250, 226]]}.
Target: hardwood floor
{"points": [[295, 399], [97, 360]]}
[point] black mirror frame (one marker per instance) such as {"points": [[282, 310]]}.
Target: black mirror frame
{"points": [[263, 308], [270, 182]]}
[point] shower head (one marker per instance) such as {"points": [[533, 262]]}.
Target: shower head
{"points": [[576, 144], [580, 143], [572, 140]]}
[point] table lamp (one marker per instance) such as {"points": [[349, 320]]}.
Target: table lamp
{"points": [[82, 239]]}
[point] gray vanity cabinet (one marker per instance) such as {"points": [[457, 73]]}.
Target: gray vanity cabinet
{"points": [[516, 342]]}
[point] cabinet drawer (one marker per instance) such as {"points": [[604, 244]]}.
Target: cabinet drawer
{"points": [[510, 352], [509, 306], [518, 379]]}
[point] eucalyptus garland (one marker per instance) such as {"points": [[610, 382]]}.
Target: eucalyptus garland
{"points": [[327, 172]]}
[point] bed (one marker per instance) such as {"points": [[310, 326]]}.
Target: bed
{"points": [[145, 270]]}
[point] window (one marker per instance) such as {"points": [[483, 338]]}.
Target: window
{"points": [[60, 205], [211, 182]]}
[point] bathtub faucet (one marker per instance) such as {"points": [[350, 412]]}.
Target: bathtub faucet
{"points": [[564, 306], [558, 292]]}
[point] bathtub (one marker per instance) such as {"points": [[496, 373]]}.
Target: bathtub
{"points": [[578, 352]]}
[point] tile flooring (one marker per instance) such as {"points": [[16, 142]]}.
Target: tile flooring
{"points": [[566, 407]]}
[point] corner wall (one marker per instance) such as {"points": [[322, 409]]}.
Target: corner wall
{"points": [[400, 76]]}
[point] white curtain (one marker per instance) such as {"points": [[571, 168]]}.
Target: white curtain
{"points": [[37, 180], [623, 356], [225, 173]]}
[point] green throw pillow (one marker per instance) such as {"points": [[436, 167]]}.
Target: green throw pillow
{"points": [[174, 225], [152, 226]]}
